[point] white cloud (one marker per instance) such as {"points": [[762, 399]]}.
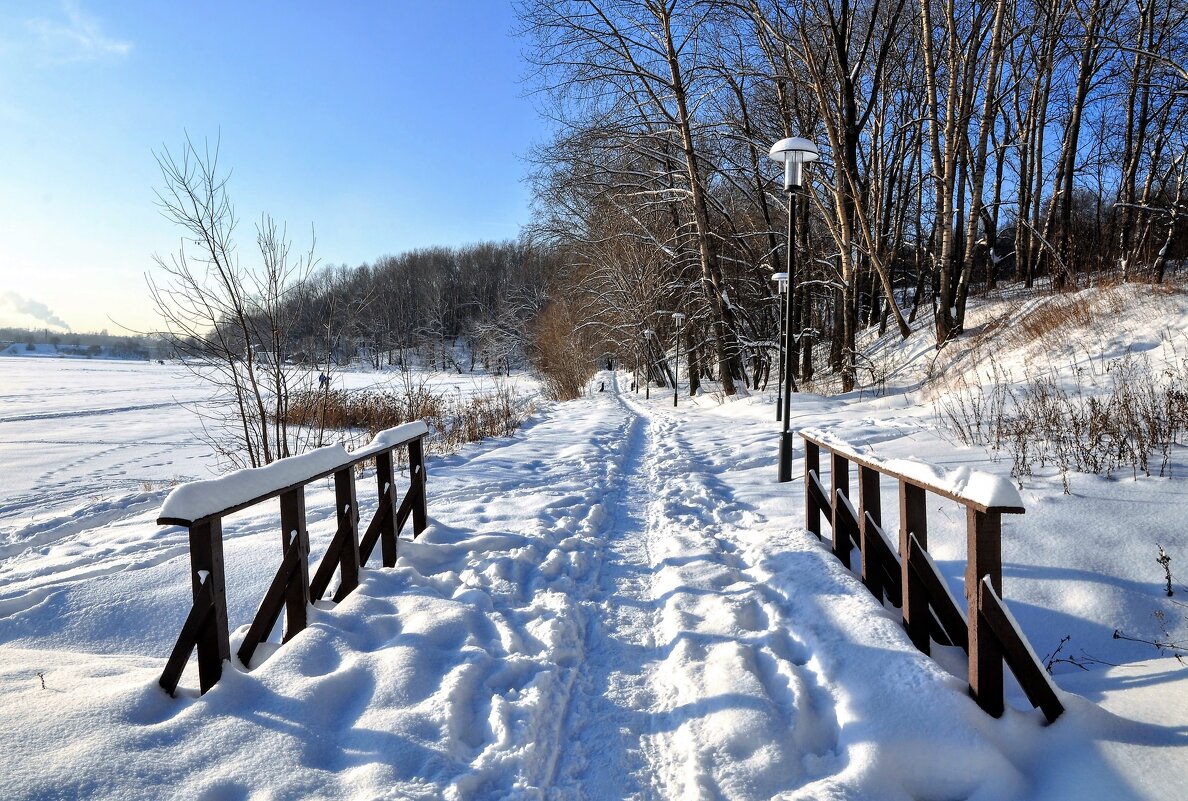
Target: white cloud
{"points": [[31, 308], [75, 36]]}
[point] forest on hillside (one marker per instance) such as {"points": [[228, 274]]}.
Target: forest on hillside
{"points": [[963, 143]]}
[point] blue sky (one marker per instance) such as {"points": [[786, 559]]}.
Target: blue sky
{"points": [[385, 125]]}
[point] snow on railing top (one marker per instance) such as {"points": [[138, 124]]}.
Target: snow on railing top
{"points": [[200, 499], [962, 484]]}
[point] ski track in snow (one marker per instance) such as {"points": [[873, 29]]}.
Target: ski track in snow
{"points": [[62, 414]]}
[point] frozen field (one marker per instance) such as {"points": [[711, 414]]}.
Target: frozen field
{"points": [[79, 436], [617, 602]]}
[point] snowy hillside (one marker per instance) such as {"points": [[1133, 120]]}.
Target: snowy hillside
{"points": [[617, 602]]}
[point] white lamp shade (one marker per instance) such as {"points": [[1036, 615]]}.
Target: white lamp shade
{"points": [[793, 152], [794, 149]]}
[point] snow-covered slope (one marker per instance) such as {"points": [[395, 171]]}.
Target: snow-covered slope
{"points": [[618, 602]]}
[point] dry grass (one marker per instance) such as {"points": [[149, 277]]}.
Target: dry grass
{"points": [[1058, 314], [1062, 315], [453, 420], [1131, 424]]}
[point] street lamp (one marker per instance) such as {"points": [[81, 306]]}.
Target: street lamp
{"points": [[794, 152], [781, 280], [648, 364], [679, 319]]}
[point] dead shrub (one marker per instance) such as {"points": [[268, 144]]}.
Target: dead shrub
{"points": [[560, 351]]}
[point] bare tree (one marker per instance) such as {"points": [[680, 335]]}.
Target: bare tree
{"points": [[231, 323]]}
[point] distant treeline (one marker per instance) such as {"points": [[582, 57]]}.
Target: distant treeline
{"points": [[70, 343], [425, 304], [443, 308]]}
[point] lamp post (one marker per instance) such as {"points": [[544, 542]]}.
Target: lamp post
{"points": [[647, 365], [781, 280], [794, 152], [679, 319]]}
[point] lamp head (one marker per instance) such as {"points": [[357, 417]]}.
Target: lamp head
{"points": [[794, 152]]}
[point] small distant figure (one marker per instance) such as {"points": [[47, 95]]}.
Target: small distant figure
{"points": [[610, 365], [323, 381], [602, 387]]}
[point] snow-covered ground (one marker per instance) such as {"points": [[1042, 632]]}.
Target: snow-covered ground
{"points": [[617, 602]]}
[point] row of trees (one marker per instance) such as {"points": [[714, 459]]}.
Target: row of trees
{"points": [[73, 343], [423, 304], [963, 142]]}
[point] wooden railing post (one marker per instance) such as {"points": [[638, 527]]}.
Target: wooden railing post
{"points": [[386, 485], [812, 466], [839, 477], [416, 472], [206, 557], [347, 507], [295, 535], [869, 503], [984, 548], [913, 520]]}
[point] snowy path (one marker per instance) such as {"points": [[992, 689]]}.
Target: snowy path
{"points": [[686, 690]]}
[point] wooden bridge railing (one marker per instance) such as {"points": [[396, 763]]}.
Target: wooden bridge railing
{"points": [[202, 505], [908, 578]]}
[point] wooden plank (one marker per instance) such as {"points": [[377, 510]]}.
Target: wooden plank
{"points": [[839, 477], [416, 471], [913, 522], [406, 508], [845, 527], [822, 498], [882, 554], [983, 559], [206, 556], [948, 613], [870, 512], [941, 491], [200, 616], [320, 581], [295, 535], [812, 501], [370, 451], [355, 458], [386, 487], [270, 608], [347, 511], [937, 632], [1021, 659], [371, 536]]}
